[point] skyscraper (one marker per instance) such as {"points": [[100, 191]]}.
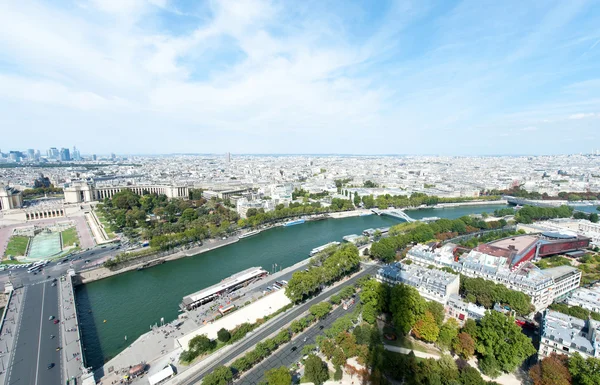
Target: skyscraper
{"points": [[228, 157], [30, 154], [53, 153], [65, 154]]}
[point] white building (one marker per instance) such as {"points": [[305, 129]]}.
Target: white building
{"points": [[543, 286], [563, 334], [462, 311], [586, 298], [432, 284], [10, 198], [281, 192], [80, 192]]}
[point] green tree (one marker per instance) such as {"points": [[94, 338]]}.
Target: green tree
{"points": [[356, 199], [426, 328], [201, 344], [220, 376], [502, 338], [448, 332], [470, 376], [278, 376], [437, 310], [320, 310], [315, 370], [584, 371], [406, 306], [223, 335]]}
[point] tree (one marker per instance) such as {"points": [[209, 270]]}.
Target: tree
{"points": [[356, 199], [337, 376], [448, 332], [278, 376], [220, 376], [320, 310], [489, 366], [437, 310], [502, 338], [584, 371], [316, 370], [223, 335], [464, 345], [201, 344], [470, 376], [552, 370], [406, 306], [426, 328]]}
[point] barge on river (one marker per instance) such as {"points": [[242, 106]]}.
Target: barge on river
{"points": [[225, 287]]}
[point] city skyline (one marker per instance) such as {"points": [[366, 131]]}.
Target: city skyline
{"points": [[267, 77]]}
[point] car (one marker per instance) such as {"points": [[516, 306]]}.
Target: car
{"points": [[54, 280], [48, 277], [56, 321], [87, 261], [51, 365], [321, 327], [305, 339], [51, 318], [294, 348]]}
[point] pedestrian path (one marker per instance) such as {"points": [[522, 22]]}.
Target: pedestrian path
{"points": [[9, 332], [72, 359]]}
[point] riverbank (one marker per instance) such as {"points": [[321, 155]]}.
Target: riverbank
{"points": [[470, 203], [349, 214], [103, 272]]}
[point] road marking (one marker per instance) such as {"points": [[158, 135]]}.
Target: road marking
{"points": [[37, 368]]}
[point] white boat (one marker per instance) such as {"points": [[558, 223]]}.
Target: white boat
{"points": [[249, 234], [321, 248]]}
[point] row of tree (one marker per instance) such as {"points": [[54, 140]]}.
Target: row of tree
{"points": [[414, 200], [528, 214], [342, 261], [41, 191], [257, 217], [575, 311], [592, 217], [487, 293]]}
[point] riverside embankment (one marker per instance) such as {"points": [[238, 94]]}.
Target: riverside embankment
{"points": [[132, 301]]}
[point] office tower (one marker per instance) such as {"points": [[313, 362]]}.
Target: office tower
{"points": [[228, 157], [53, 153], [65, 155], [94, 157], [112, 156], [30, 154]]}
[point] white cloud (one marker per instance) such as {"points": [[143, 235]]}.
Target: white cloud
{"points": [[583, 115]]}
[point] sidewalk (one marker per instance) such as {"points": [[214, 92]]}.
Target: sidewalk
{"points": [[71, 363], [10, 332]]}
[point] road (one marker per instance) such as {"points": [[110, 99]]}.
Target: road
{"points": [[287, 356], [34, 348], [263, 332]]}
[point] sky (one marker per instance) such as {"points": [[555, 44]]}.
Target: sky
{"points": [[275, 77]]}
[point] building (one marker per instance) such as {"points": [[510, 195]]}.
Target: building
{"points": [[462, 311], [30, 154], [81, 192], [53, 153], [65, 155], [432, 284], [543, 286], [281, 192], [10, 198], [563, 334], [586, 298]]}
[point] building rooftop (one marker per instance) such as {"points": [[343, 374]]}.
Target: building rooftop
{"points": [[570, 331]]}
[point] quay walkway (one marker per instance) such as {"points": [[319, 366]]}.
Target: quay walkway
{"points": [[73, 366], [10, 318]]}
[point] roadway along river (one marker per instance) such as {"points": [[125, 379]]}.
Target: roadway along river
{"points": [[132, 301]]}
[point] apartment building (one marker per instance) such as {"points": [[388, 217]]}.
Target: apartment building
{"points": [[563, 334], [543, 286], [586, 298], [432, 284], [462, 311]]}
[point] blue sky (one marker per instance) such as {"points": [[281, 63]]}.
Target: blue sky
{"points": [[260, 76]]}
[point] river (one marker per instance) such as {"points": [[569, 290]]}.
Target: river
{"points": [[128, 304]]}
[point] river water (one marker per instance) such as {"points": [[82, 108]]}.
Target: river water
{"points": [[128, 304]]}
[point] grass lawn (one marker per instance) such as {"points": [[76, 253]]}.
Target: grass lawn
{"points": [[104, 223], [69, 237], [17, 245], [405, 342]]}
